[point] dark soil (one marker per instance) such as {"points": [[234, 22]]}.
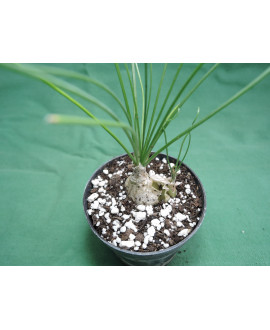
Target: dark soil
{"points": [[190, 205]]}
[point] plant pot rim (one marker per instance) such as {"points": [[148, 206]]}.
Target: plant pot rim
{"points": [[128, 252]]}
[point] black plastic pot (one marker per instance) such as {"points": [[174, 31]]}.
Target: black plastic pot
{"points": [[158, 258]]}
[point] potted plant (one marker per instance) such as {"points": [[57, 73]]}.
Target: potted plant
{"points": [[144, 204]]}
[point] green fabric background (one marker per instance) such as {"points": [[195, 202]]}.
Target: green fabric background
{"points": [[44, 169]]}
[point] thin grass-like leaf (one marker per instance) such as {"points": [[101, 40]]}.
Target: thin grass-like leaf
{"points": [[164, 103], [175, 110], [143, 104], [141, 137], [123, 92], [167, 152], [145, 98], [56, 71], [92, 116], [213, 113], [192, 75], [30, 73], [148, 104], [153, 112], [159, 130], [135, 111], [75, 120], [198, 84], [41, 75], [178, 164], [150, 89]]}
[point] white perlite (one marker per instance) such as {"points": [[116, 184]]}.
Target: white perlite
{"points": [[184, 232], [141, 207], [179, 217], [166, 211], [131, 225], [115, 228], [139, 216], [101, 213], [127, 244], [92, 197], [116, 225], [151, 172], [146, 239], [131, 237], [166, 232], [151, 231], [102, 183], [123, 229], [149, 209], [116, 222], [95, 205], [95, 182], [155, 222], [114, 210]]}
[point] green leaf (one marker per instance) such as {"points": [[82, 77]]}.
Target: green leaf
{"points": [[75, 75], [213, 113], [38, 75], [159, 130], [75, 120], [150, 134]]}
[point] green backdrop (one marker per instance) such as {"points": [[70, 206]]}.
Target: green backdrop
{"points": [[44, 169]]}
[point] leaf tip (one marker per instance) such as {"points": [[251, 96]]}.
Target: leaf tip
{"points": [[52, 119]]}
